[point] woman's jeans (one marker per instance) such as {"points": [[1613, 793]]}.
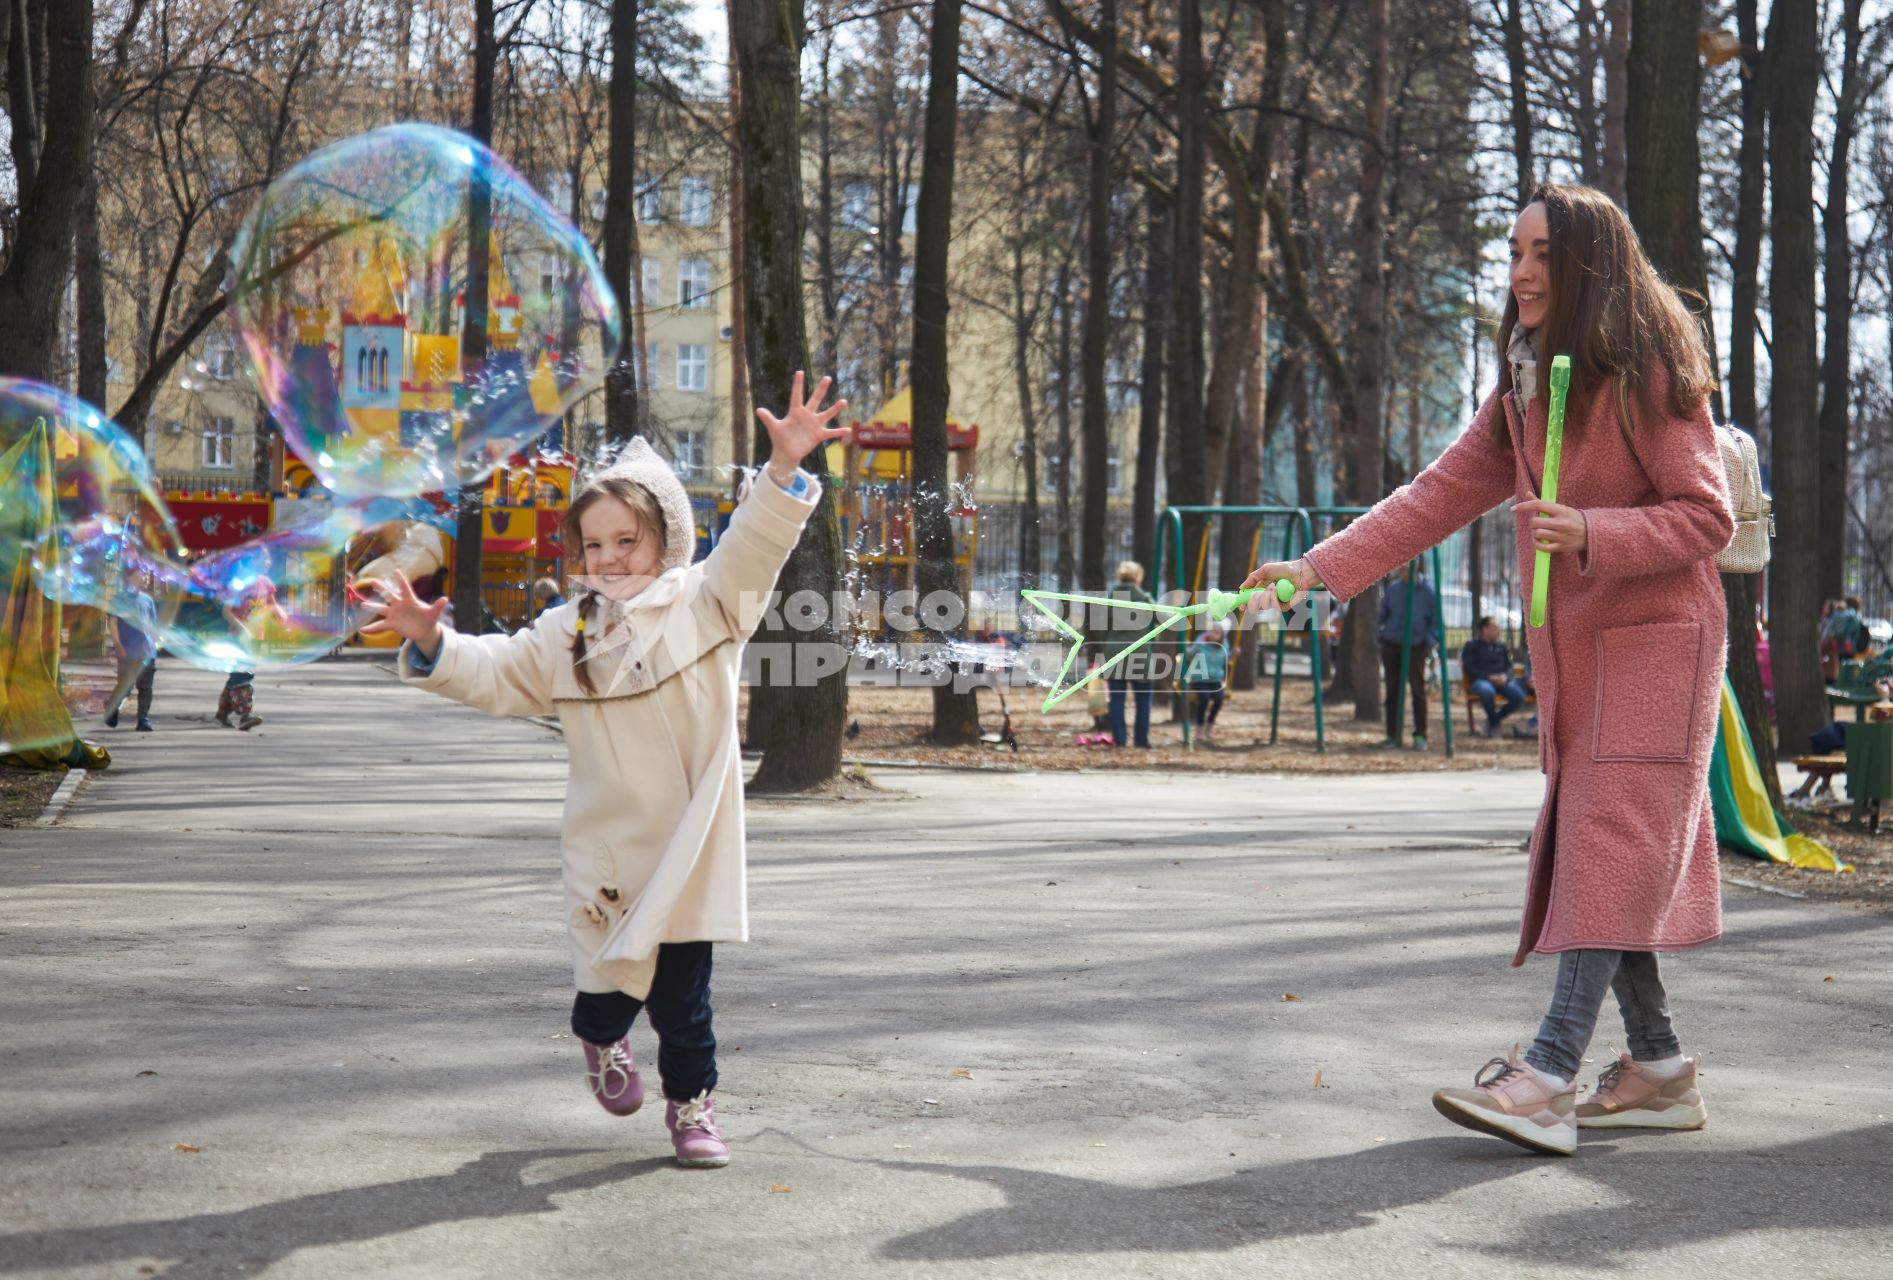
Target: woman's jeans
{"points": [[1142, 691], [1583, 977], [679, 1010]]}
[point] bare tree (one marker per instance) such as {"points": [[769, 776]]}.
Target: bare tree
{"points": [[1794, 66], [796, 722]]}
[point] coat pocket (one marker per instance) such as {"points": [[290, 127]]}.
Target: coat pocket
{"points": [[1646, 691]]}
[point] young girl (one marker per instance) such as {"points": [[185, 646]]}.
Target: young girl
{"points": [[1628, 664], [641, 667]]}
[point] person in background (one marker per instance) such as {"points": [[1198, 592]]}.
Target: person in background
{"points": [[1206, 674], [546, 595], [1135, 675], [1393, 625], [1486, 663], [137, 666]]}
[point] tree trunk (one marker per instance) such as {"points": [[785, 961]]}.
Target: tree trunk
{"points": [[795, 716], [1242, 487], [1616, 97], [1521, 98], [1184, 456], [1751, 180], [470, 531], [621, 380], [1061, 478], [89, 279], [1794, 68], [1096, 427], [1838, 308], [1742, 592], [1031, 553], [1151, 378], [1584, 86], [739, 319], [1365, 363], [50, 112], [936, 576]]}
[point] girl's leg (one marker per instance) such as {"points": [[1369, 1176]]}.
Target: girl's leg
{"points": [[1646, 1008], [679, 1010], [603, 1018], [1583, 977]]}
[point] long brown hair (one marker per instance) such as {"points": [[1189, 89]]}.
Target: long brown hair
{"points": [[1611, 313], [644, 505]]}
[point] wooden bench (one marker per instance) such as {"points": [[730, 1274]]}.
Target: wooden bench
{"points": [[1820, 770], [1474, 705]]}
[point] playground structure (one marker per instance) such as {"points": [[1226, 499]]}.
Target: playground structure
{"points": [[1298, 527], [877, 504]]}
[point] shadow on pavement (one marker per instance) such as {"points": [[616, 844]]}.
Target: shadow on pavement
{"points": [[1788, 1187], [247, 1242]]}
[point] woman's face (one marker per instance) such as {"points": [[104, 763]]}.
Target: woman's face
{"points": [[1531, 264], [621, 556]]}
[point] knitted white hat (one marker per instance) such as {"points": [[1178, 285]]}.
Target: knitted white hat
{"points": [[641, 465]]}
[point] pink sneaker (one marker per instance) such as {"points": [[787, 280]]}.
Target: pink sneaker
{"points": [[612, 1075], [694, 1135], [1627, 1096], [1510, 1100]]}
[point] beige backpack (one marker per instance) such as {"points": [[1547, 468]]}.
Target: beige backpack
{"points": [[1747, 551]]}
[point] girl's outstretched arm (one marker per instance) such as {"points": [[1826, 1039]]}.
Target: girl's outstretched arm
{"points": [[740, 573], [1473, 476], [500, 675]]}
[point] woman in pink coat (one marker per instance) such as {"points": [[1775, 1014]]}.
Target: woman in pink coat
{"points": [[1628, 664]]}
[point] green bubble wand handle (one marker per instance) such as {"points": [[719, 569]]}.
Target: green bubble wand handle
{"points": [[1554, 450]]}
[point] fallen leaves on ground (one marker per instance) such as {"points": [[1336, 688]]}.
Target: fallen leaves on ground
{"points": [[185, 1147]]}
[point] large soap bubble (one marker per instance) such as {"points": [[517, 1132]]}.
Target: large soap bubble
{"points": [[350, 298], [283, 598], [81, 524]]}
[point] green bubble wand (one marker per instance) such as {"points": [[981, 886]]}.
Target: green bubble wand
{"points": [[1219, 606], [1554, 449]]}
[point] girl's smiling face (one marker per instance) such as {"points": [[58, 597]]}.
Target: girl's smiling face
{"points": [[621, 556], [1531, 264]]}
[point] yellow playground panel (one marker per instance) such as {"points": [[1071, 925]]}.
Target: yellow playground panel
{"points": [[877, 503]]}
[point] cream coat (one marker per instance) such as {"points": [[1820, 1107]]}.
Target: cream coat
{"points": [[652, 837]]}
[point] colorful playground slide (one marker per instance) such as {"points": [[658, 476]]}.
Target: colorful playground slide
{"points": [[1745, 821]]}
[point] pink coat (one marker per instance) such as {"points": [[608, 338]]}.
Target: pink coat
{"points": [[1628, 665]]}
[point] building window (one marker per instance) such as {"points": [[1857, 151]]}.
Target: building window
{"points": [[689, 456], [1113, 474], [910, 209], [857, 206], [220, 357], [693, 367], [653, 283], [220, 443], [693, 202], [693, 283], [548, 278], [651, 365], [650, 199]]}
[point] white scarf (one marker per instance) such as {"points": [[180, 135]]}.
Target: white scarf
{"points": [[1522, 352]]}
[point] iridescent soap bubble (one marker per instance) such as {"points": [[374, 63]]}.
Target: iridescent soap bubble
{"points": [[283, 598], [81, 524], [349, 296]]}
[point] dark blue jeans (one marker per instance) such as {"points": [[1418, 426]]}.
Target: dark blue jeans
{"points": [[1488, 695], [679, 1009], [1142, 689]]}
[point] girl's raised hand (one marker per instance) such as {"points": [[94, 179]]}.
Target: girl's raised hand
{"points": [[805, 427], [400, 611]]}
